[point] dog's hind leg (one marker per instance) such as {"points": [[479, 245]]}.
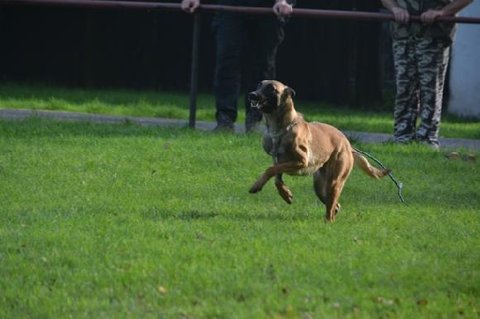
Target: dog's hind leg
{"points": [[333, 206], [320, 186], [337, 173], [283, 190]]}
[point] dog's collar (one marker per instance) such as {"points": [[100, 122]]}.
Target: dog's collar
{"points": [[282, 131]]}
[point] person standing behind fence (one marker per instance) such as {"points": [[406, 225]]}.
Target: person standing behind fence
{"points": [[421, 54], [233, 31]]}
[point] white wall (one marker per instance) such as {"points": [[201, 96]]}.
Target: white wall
{"points": [[465, 67]]}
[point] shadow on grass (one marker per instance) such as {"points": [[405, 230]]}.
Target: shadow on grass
{"points": [[198, 215], [195, 214]]}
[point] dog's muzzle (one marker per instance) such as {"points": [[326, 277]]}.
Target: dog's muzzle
{"points": [[255, 100], [265, 103]]}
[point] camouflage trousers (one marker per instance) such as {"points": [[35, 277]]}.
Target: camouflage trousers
{"points": [[420, 68]]}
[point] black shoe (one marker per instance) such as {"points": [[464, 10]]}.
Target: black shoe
{"points": [[224, 128]]}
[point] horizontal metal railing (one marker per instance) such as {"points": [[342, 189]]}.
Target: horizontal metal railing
{"points": [[298, 12]]}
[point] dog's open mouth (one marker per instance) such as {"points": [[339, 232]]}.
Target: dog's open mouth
{"points": [[256, 104], [256, 100], [264, 103]]}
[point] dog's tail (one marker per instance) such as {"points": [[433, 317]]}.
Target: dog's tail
{"points": [[362, 162]]}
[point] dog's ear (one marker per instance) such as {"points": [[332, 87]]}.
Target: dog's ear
{"points": [[289, 91]]}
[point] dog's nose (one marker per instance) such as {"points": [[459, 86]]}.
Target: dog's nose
{"points": [[253, 96]]}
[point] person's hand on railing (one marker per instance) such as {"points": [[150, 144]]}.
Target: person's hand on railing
{"points": [[190, 5], [401, 15], [429, 16], [282, 8]]}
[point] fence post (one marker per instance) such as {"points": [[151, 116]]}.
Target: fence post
{"points": [[194, 70]]}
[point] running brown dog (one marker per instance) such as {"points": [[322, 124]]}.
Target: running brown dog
{"points": [[301, 148]]}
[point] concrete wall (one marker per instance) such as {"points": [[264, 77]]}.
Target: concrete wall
{"points": [[465, 67]]}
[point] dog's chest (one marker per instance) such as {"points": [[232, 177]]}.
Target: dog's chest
{"points": [[277, 140], [282, 150], [277, 146]]}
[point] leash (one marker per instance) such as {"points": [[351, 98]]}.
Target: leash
{"points": [[395, 181]]}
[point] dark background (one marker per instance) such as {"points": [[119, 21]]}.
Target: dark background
{"points": [[343, 62]]}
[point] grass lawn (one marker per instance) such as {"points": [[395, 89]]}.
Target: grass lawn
{"points": [[123, 221], [175, 105]]}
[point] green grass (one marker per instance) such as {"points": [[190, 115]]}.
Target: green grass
{"points": [[176, 105], [123, 221]]}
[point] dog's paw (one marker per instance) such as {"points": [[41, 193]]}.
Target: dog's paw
{"points": [[255, 188], [338, 208], [286, 194], [330, 219]]}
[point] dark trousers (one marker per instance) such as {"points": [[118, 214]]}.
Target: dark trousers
{"points": [[245, 46]]}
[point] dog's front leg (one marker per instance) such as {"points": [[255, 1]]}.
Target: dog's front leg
{"points": [[283, 190], [275, 170]]}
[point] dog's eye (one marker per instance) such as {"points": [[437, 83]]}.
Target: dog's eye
{"points": [[271, 89]]}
